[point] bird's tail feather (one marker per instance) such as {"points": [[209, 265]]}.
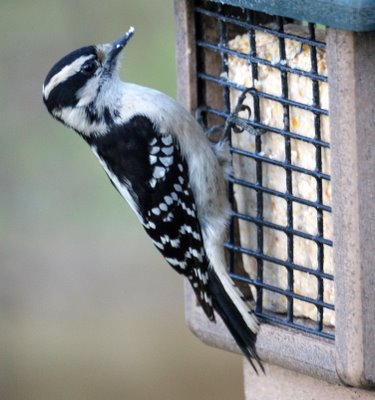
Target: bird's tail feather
{"points": [[240, 321]]}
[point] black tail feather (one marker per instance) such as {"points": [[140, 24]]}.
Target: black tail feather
{"points": [[231, 316]]}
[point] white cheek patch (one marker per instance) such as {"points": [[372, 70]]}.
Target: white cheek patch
{"points": [[75, 118], [88, 92], [64, 74]]}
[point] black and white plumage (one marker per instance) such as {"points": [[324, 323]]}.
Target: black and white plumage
{"points": [[158, 158]]}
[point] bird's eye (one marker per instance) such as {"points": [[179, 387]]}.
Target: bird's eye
{"points": [[90, 67]]}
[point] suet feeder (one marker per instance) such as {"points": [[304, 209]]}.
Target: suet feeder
{"points": [[296, 81]]}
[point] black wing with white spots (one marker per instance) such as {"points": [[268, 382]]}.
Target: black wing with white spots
{"points": [[148, 170]]}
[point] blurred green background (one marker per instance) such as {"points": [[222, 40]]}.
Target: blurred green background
{"points": [[88, 308]]}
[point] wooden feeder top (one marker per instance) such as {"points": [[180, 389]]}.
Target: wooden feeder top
{"points": [[350, 15]]}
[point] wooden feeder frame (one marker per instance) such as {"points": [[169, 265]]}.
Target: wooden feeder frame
{"points": [[350, 358]]}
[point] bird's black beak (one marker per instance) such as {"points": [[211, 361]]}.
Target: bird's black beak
{"points": [[118, 45]]}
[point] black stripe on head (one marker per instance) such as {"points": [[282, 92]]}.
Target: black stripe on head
{"points": [[68, 59], [64, 93]]}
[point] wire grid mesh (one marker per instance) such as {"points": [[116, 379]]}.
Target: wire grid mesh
{"points": [[292, 280]]}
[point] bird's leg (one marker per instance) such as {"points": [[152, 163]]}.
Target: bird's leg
{"points": [[210, 131], [237, 124]]}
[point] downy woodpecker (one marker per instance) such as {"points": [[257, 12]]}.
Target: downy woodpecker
{"points": [[157, 156]]}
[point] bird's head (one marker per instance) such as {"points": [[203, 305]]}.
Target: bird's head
{"points": [[80, 89]]}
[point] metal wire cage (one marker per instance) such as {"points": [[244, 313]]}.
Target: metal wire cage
{"points": [[280, 234]]}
